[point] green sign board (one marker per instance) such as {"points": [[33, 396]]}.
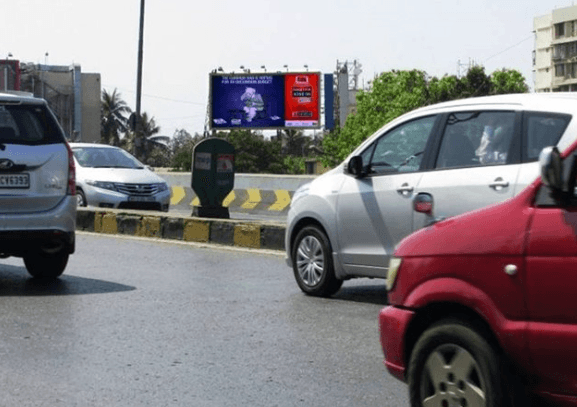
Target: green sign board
{"points": [[212, 176]]}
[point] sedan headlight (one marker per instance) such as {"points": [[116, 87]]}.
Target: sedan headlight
{"points": [[300, 193], [102, 184], [394, 266]]}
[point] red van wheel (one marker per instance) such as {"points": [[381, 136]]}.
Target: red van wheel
{"points": [[452, 364]]}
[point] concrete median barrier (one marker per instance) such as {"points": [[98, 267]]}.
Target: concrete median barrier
{"points": [[252, 193], [230, 232]]}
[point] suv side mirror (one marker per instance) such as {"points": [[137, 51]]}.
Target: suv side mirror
{"points": [[355, 166], [551, 168]]}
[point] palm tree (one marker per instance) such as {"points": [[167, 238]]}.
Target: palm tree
{"points": [[113, 119], [148, 129]]}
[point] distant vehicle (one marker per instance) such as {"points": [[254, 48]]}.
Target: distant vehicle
{"points": [[466, 154], [37, 187], [483, 306], [110, 177]]}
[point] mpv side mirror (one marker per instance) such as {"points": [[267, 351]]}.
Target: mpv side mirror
{"points": [[423, 203], [551, 168], [355, 166]]}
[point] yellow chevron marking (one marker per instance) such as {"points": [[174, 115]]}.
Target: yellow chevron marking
{"points": [[253, 199], [177, 195], [195, 201], [229, 198], [283, 199]]}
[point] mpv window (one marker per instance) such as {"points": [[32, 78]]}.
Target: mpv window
{"points": [[402, 148], [543, 130], [473, 139], [27, 124]]}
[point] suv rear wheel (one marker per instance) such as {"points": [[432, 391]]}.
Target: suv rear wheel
{"points": [[44, 265]]}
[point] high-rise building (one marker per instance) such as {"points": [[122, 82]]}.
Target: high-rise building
{"points": [[555, 54]]}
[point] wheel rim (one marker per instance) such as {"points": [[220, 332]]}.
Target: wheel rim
{"points": [[79, 199], [310, 261], [452, 377]]}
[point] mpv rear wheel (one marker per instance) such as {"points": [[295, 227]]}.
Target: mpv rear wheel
{"points": [[313, 263], [453, 365], [46, 266]]}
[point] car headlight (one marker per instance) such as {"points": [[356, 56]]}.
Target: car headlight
{"points": [[300, 193], [102, 184], [161, 186], [394, 266]]}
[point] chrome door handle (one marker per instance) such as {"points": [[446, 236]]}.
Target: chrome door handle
{"points": [[499, 184], [405, 189]]}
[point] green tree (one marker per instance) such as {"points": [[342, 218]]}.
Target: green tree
{"points": [[254, 153], [181, 146], [508, 81], [397, 92], [148, 128], [113, 117]]}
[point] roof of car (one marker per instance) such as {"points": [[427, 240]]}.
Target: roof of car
{"points": [[20, 97], [92, 145], [521, 99]]}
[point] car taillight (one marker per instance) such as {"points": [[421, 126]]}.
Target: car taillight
{"points": [[71, 190]]}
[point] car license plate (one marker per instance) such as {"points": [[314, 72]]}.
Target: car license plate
{"points": [[14, 180], [141, 199]]}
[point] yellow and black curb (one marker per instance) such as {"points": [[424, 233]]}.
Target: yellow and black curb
{"points": [[239, 200], [246, 234]]}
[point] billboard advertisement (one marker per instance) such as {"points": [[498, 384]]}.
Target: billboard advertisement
{"points": [[265, 101]]}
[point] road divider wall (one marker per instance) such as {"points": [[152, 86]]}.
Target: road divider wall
{"points": [[239, 233], [252, 193]]}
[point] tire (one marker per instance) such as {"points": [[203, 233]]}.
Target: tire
{"points": [[313, 263], [81, 198], [452, 364], [46, 266]]}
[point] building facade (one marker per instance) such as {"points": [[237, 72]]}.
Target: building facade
{"points": [[72, 95], [555, 54]]}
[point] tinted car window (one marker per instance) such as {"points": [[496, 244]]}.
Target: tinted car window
{"points": [[402, 148], [26, 124], [476, 138], [542, 130]]}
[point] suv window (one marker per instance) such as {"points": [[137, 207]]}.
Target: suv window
{"points": [[542, 130], [26, 124], [402, 148], [473, 139]]}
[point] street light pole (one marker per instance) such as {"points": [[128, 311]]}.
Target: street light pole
{"points": [[138, 130]]}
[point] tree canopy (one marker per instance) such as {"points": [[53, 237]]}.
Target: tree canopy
{"points": [[395, 92]]}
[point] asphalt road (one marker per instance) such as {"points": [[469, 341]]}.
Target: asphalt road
{"points": [[137, 322]]}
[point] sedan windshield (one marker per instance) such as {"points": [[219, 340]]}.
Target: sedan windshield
{"points": [[96, 157]]}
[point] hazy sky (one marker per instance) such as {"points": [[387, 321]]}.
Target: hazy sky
{"points": [[186, 39]]}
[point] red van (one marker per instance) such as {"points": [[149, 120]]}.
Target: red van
{"points": [[483, 306]]}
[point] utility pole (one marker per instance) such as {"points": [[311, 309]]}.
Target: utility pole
{"points": [[138, 128]]}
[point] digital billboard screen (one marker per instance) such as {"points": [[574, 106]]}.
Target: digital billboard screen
{"points": [[265, 101]]}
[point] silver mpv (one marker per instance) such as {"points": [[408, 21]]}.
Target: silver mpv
{"points": [[37, 187], [458, 156]]}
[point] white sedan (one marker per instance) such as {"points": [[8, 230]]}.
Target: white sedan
{"points": [[110, 177]]}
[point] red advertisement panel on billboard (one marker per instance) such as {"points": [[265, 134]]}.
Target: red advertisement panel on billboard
{"points": [[302, 99]]}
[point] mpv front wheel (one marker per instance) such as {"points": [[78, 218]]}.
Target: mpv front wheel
{"points": [[453, 365], [46, 266], [313, 263]]}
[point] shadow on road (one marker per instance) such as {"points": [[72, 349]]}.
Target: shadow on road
{"points": [[370, 294], [16, 282]]}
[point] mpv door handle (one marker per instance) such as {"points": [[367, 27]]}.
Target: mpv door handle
{"points": [[405, 189], [499, 184]]}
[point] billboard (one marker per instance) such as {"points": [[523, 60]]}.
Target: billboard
{"points": [[265, 101]]}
